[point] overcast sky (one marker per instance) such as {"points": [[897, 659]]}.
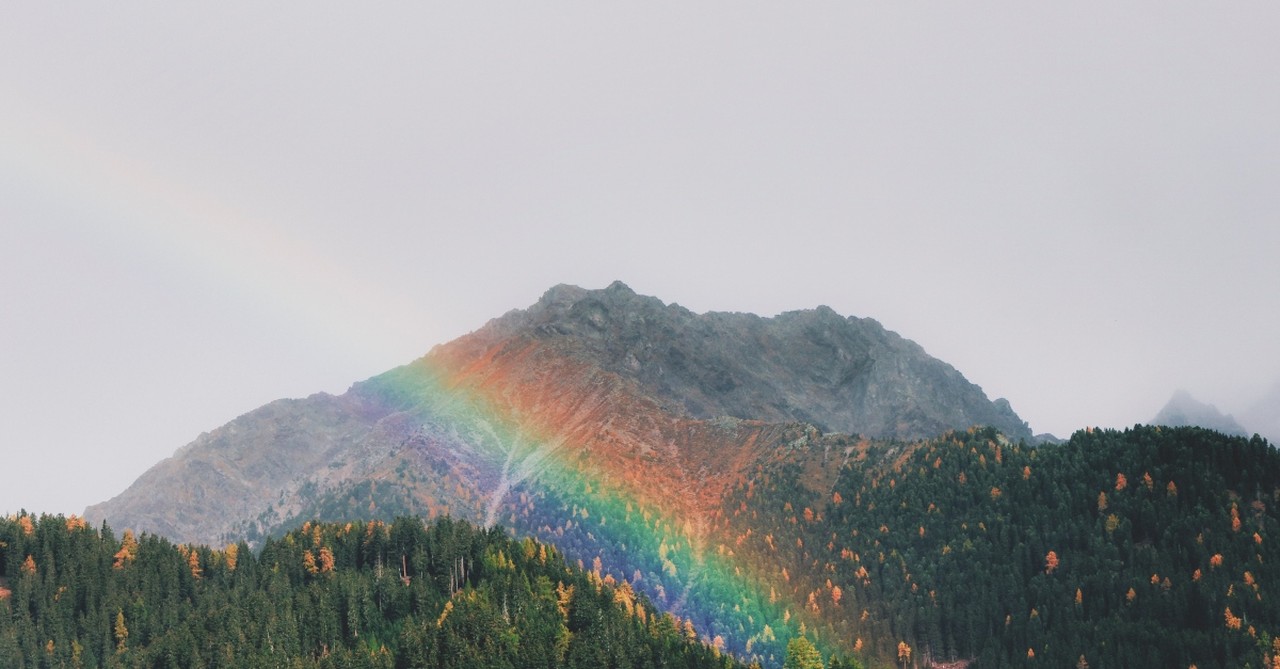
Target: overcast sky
{"points": [[202, 210]]}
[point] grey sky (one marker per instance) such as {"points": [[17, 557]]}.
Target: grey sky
{"points": [[202, 210]]}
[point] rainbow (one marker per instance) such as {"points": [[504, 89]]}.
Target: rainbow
{"points": [[624, 530], [122, 199], [628, 528]]}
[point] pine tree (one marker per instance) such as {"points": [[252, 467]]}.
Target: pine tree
{"points": [[801, 654]]}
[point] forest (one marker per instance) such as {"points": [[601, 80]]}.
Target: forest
{"points": [[363, 595], [1145, 547]]}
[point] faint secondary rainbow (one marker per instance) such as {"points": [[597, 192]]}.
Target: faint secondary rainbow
{"points": [[122, 198]]}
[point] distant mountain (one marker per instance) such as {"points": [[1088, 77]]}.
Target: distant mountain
{"points": [[1048, 438], [1184, 410], [1264, 416]]}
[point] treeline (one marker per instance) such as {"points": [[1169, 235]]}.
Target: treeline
{"points": [[377, 595], [1147, 547]]}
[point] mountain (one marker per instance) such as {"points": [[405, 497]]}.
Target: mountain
{"points": [[687, 399], [1182, 410], [607, 423]]}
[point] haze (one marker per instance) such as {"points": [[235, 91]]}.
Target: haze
{"points": [[205, 209]]}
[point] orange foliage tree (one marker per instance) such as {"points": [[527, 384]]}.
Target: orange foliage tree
{"points": [[128, 549], [1050, 562]]}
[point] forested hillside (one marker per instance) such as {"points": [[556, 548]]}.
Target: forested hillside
{"points": [[1148, 547], [374, 595]]}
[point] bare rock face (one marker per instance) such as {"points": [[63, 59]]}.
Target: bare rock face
{"points": [[614, 387], [234, 471], [839, 374]]}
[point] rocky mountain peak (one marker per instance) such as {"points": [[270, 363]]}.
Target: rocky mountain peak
{"points": [[1183, 409], [839, 373]]}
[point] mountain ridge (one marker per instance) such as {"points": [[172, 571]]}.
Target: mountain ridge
{"points": [[733, 364]]}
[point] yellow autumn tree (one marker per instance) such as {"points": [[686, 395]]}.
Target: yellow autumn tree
{"points": [[625, 596], [326, 560], [128, 550], [444, 614], [232, 554], [122, 632], [564, 598], [193, 563]]}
